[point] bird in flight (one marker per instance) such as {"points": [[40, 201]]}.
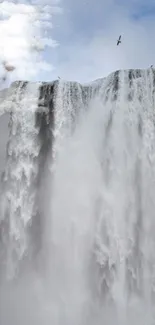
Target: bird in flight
{"points": [[8, 67], [119, 40]]}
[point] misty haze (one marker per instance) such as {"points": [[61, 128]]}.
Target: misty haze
{"points": [[77, 162], [77, 201]]}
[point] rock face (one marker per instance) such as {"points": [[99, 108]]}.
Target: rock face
{"points": [[41, 115]]}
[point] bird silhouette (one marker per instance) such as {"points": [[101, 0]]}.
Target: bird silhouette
{"points": [[119, 40]]}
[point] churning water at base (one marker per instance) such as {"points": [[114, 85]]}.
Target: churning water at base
{"points": [[95, 263]]}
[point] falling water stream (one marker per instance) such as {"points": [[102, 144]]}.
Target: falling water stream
{"points": [[77, 206]]}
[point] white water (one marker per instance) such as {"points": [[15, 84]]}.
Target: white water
{"points": [[100, 226], [17, 202]]}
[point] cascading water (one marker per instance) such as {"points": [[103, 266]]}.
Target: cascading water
{"points": [[20, 172], [81, 168]]}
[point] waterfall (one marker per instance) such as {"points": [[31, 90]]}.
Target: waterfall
{"points": [[77, 204]]}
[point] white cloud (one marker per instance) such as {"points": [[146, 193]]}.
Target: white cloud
{"points": [[24, 34], [27, 27]]}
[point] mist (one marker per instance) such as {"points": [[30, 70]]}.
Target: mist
{"points": [[77, 224]]}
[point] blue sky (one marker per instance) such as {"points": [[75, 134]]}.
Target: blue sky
{"points": [[86, 31]]}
